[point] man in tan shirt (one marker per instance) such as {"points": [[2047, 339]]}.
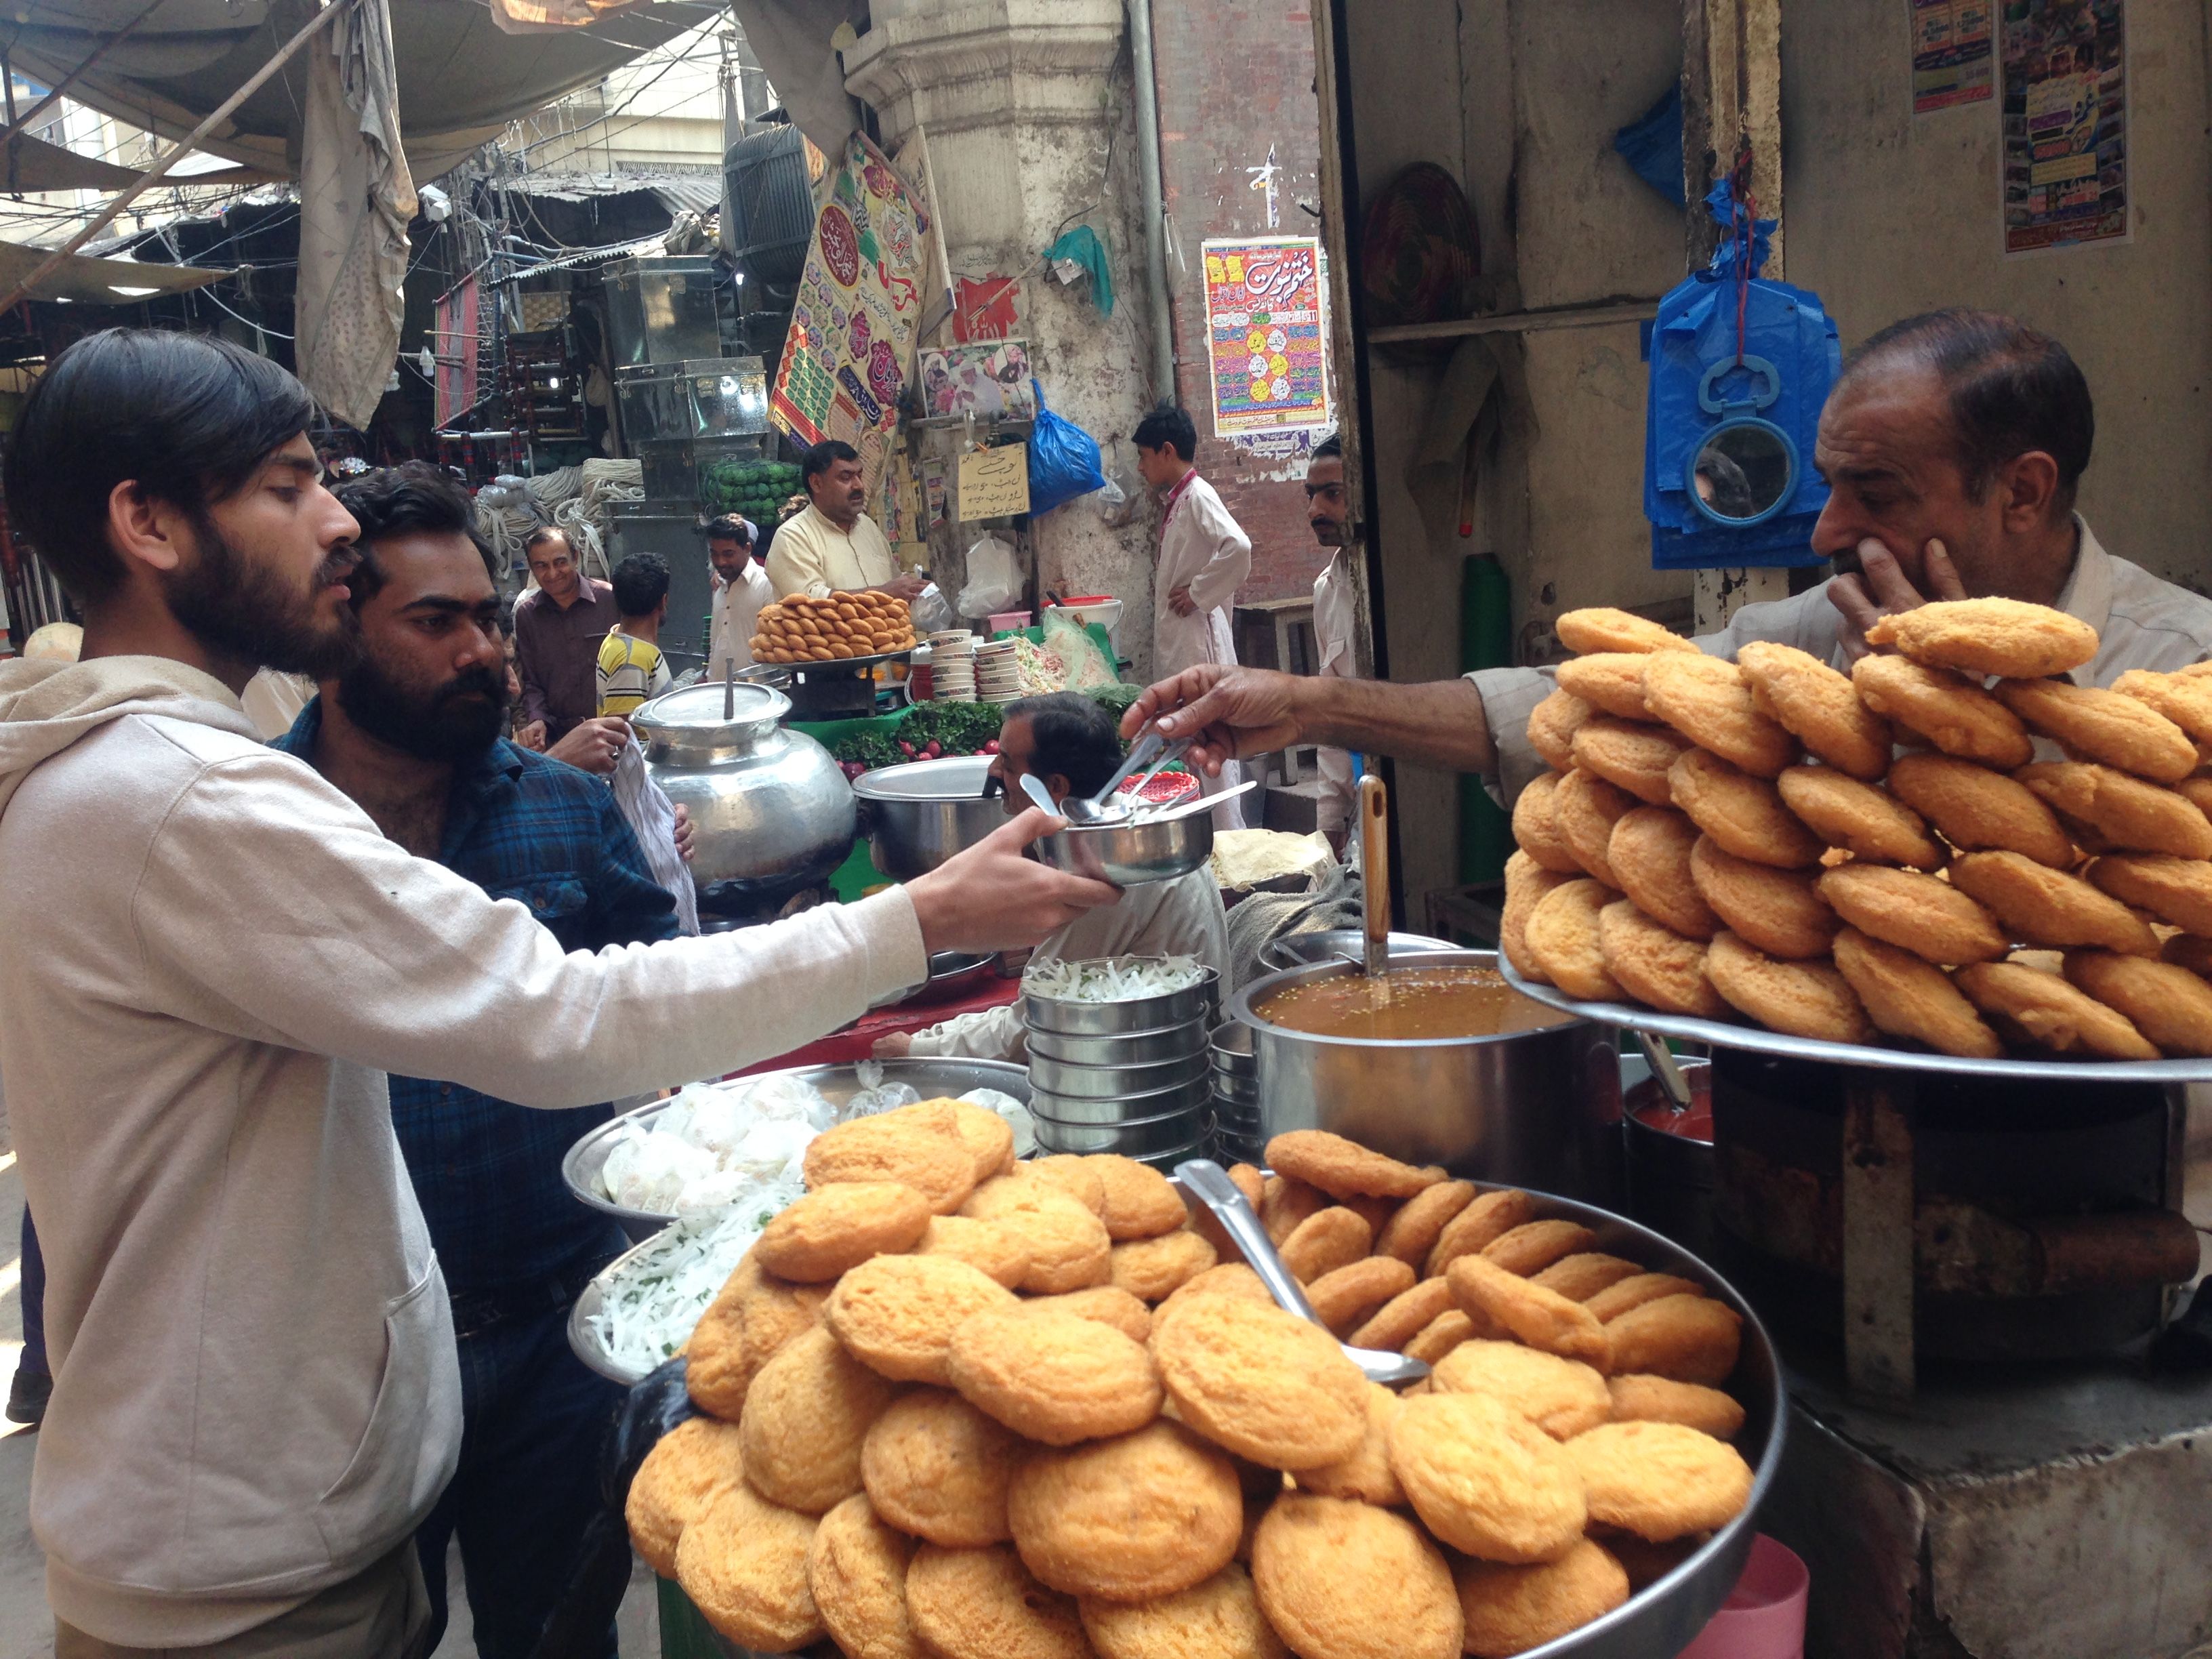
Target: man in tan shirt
{"points": [[833, 546]]}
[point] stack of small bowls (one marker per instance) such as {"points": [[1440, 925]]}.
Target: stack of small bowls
{"points": [[998, 676], [953, 666], [1123, 1077], [1236, 1127]]}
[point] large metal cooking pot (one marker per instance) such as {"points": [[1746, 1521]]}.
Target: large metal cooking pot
{"points": [[772, 810], [1538, 1108], [918, 814], [1296, 950]]}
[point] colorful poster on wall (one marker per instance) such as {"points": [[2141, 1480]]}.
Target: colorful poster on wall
{"points": [[1951, 60], [1265, 332], [2065, 108], [990, 378], [859, 301]]}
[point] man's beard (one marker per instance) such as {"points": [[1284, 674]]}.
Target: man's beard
{"points": [[1327, 532], [448, 724], [244, 611]]}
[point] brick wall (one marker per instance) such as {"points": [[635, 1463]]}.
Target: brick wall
{"points": [[1235, 79]]}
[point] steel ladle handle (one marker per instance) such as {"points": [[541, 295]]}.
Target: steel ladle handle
{"points": [[1203, 1176]]}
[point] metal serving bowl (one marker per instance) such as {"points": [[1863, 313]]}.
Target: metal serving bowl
{"points": [[918, 814], [1131, 854], [837, 1084], [1115, 1082], [1120, 1018], [1127, 1048], [1144, 1138], [1118, 1108]]}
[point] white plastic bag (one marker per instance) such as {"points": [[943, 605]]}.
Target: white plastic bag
{"points": [[931, 611], [994, 581]]}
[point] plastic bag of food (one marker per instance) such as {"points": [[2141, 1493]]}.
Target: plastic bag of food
{"points": [[1086, 665], [995, 580], [650, 1172]]}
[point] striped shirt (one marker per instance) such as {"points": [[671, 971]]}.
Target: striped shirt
{"points": [[631, 672]]}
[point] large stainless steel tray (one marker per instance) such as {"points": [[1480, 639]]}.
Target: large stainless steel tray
{"points": [[837, 1084], [1754, 1039]]}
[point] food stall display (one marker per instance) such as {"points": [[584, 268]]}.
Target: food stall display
{"points": [[864, 624], [959, 1404]]}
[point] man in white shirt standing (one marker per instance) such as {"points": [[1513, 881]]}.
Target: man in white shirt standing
{"points": [[1203, 555], [1334, 618], [834, 547], [741, 590]]}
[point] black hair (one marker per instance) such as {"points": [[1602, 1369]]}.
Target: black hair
{"points": [[188, 417], [1168, 427], [394, 501], [2012, 388], [729, 528], [546, 532], [817, 460], [640, 584], [1076, 737], [1330, 448]]}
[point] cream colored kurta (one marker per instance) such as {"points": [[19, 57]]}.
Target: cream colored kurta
{"points": [[737, 606], [808, 555], [1203, 548], [1333, 623]]}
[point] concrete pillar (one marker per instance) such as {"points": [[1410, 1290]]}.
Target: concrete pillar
{"points": [[1026, 107]]}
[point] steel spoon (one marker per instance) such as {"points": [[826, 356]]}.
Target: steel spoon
{"points": [[1035, 789]]}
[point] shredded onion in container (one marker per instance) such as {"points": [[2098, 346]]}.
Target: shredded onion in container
{"points": [[648, 1311], [1112, 979]]}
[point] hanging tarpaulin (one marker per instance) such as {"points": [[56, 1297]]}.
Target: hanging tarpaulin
{"points": [[859, 301], [1741, 366]]}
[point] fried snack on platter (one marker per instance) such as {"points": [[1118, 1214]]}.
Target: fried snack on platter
{"points": [[2189, 950], [984, 1245], [1628, 756], [1817, 706], [1647, 1564], [2168, 1004], [2198, 789], [1488, 1217], [1486, 1480], [1443, 1334], [1601, 628], [1709, 702], [1542, 1319], [1284, 1201], [1341, 1580], [1978, 810], [1067, 1242], [676, 1483], [805, 1418], [1583, 1275], [1660, 1481], [1804, 999], [1260, 1383], [1930, 918], [1366, 1474], [1906, 996], [1074, 1174], [1562, 935], [2186, 700], [990, 1138], [1343, 1298], [2178, 891], [1682, 1338], [1324, 1241], [1152, 1269], [1615, 1300], [1142, 1515], [1527, 884], [1344, 1168], [1536, 829], [1109, 1305], [2095, 725], [744, 1565], [1535, 1245], [1055, 1377], [752, 1317], [934, 1465], [983, 1604], [896, 1314], [1869, 823], [821, 1234], [1405, 1316], [1562, 1397], [2042, 1011], [1217, 1620], [1412, 1232], [1992, 636], [1229, 1278], [920, 1145], [1248, 1180], [2125, 814], [1552, 724], [856, 1573], [1654, 964], [1611, 682], [1640, 1399], [1139, 1202], [1780, 911], [2049, 908], [1744, 815], [1949, 711], [1649, 853], [1587, 808], [1509, 1610]]}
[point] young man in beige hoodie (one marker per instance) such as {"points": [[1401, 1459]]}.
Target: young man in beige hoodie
{"points": [[213, 956]]}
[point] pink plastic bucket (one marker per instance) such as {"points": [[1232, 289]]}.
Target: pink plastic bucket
{"points": [[1764, 1617], [1005, 622]]}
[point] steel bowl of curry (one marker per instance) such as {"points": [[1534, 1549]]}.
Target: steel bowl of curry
{"points": [[1439, 1062]]}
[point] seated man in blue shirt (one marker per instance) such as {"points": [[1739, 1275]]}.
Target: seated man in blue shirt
{"points": [[411, 732]]}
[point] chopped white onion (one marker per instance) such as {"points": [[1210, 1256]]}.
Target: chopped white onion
{"points": [[1111, 979]]}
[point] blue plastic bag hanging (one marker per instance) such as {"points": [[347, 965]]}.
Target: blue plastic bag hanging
{"points": [[1741, 366], [1063, 459]]}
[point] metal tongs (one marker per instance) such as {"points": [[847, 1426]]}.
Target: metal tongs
{"points": [[1218, 1194]]}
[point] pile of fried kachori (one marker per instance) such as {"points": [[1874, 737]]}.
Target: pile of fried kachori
{"points": [[1720, 839], [1039, 1413], [861, 623]]}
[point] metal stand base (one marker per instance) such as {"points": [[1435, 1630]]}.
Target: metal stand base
{"points": [[1878, 1236]]}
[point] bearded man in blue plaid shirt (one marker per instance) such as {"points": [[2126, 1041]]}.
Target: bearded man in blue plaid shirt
{"points": [[411, 733]]}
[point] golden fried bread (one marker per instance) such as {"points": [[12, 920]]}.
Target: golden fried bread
{"points": [[1055, 1377], [2176, 890], [1946, 708], [1817, 706], [1542, 1318], [990, 1138], [1629, 756], [1138, 1201], [1552, 724], [1649, 853], [1709, 702], [1584, 1274], [1779, 911], [1152, 1269], [1562, 935], [920, 1145], [1067, 1244], [1640, 1399], [1602, 628], [1488, 1217], [896, 1314], [2042, 1011], [1609, 681], [1743, 814], [807, 1414], [1586, 807], [1906, 996], [1404, 1316], [1930, 918], [2007, 637], [1660, 1481], [1683, 1337], [1486, 1480], [1260, 1383], [1654, 964], [675, 1484], [818, 1236], [2185, 699], [1536, 829], [856, 1573], [1805, 998], [1527, 883], [2123, 813], [744, 1565], [1535, 1245], [997, 1252], [1109, 1305], [1344, 1168], [1219, 1618], [1284, 1201], [1509, 1610], [1562, 1397], [1324, 1241], [1444, 1332], [753, 1315], [1344, 1580], [2049, 908], [1413, 1230], [935, 1467], [1074, 1174], [2168, 1004], [1615, 1300], [2096, 725], [1365, 1475], [1142, 1515], [1871, 824], [983, 1604], [1346, 1297], [1978, 810]]}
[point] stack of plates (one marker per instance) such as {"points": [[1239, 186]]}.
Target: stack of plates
{"points": [[952, 666], [1238, 1131], [1123, 1077], [998, 677]]}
